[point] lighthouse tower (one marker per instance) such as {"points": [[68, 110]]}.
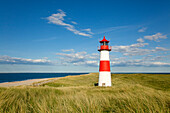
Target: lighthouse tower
{"points": [[104, 69]]}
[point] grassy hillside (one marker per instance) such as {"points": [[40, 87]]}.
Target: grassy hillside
{"points": [[139, 93]]}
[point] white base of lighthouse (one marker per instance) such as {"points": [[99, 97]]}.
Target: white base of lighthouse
{"points": [[105, 79]]}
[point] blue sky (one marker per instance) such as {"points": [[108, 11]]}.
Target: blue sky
{"points": [[62, 36]]}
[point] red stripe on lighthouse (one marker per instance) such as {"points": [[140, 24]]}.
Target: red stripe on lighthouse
{"points": [[104, 66]]}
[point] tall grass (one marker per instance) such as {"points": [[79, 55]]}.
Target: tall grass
{"points": [[78, 94]]}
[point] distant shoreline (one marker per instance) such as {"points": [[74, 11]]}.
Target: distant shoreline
{"points": [[14, 77], [93, 72], [34, 82], [24, 82]]}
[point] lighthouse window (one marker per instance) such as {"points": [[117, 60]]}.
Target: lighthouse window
{"points": [[101, 43], [105, 43]]}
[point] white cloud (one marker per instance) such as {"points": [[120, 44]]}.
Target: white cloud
{"points": [[140, 40], [155, 58], [110, 29], [159, 64], [77, 32], [15, 60], [139, 63], [85, 59], [87, 63], [135, 49], [143, 29], [58, 19], [74, 22], [73, 57], [78, 58], [92, 62], [82, 58], [138, 45], [132, 49], [67, 50], [160, 49], [88, 31], [149, 61], [156, 37]]}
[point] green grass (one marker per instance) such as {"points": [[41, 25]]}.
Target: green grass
{"points": [[156, 81], [130, 93]]}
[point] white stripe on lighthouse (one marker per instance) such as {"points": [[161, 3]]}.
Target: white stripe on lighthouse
{"points": [[105, 79], [104, 55]]}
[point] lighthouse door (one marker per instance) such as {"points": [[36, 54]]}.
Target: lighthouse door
{"points": [[103, 84]]}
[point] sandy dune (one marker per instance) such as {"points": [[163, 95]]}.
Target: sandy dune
{"points": [[28, 82]]}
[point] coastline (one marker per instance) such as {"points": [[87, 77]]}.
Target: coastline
{"points": [[34, 82], [24, 82]]}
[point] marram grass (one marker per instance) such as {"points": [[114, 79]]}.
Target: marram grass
{"points": [[130, 93]]}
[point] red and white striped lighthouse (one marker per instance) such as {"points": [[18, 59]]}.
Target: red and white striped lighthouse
{"points": [[104, 69]]}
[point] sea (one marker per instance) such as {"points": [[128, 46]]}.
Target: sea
{"points": [[10, 77]]}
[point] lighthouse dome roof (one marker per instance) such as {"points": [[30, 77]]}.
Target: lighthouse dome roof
{"points": [[104, 40]]}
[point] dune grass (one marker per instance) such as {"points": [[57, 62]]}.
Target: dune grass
{"points": [[130, 93]]}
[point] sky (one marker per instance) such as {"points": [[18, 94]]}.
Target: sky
{"points": [[63, 35]]}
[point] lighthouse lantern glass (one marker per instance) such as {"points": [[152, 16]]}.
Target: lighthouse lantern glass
{"points": [[104, 43]]}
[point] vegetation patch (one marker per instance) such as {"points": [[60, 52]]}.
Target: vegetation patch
{"points": [[138, 93]]}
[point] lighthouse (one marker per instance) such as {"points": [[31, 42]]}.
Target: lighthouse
{"points": [[104, 68]]}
